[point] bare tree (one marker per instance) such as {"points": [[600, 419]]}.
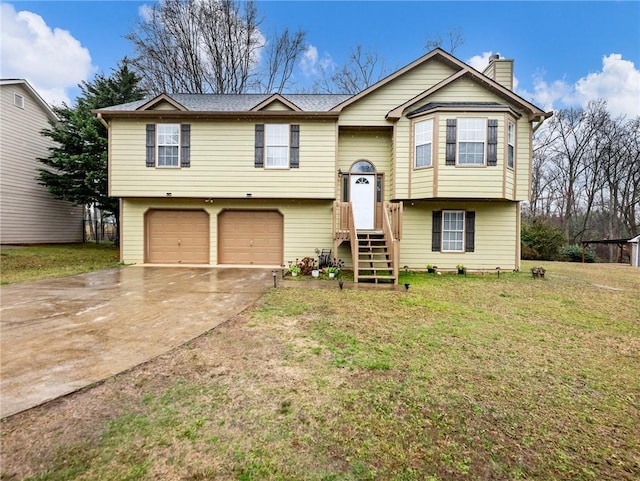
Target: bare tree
{"points": [[362, 69], [454, 38], [586, 173], [282, 54], [210, 46]]}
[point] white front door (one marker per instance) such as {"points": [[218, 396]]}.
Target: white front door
{"points": [[363, 189]]}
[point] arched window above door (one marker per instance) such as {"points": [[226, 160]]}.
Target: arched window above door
{"points": [[362, 167]]}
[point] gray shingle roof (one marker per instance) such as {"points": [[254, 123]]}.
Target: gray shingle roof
{"points": [[242, 102]]}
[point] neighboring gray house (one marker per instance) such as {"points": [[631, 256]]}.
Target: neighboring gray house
{"points": [[634, 251], [29, 214]]}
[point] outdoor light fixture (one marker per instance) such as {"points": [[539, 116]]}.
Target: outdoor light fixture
{"points": [[339, 171], [283, 268], [498, 269], [168, 194], [406, 286], [406, 268], [340, 284], [274, 274]]}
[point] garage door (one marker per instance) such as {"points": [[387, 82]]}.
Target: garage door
{"points": [[250, 237], [177, 237]]}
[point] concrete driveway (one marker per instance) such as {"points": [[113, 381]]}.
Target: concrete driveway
{"points": [[59, 335]]}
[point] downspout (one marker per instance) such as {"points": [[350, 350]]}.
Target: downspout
{"points": [[541, 120], [103, 122]]}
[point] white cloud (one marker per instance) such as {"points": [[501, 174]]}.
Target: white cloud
{"points": [[480, 62], [618, 83], [52, 60], [312, 64]]}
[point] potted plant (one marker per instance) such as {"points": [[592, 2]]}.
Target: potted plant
{"points": [[461, 269], [431, 269], [294, 269], [335, 266], [333, 271]]}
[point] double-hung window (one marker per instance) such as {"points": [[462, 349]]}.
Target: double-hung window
{"points": [[168, 145], [277, 146], [423, 135], [453, 231], [471, 141], [511, 144]]}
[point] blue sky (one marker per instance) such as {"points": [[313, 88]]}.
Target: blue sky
{"points": [[565, 53]]}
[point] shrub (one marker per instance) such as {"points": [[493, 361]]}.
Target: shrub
{"points": [[573, 253], [540, 240]]}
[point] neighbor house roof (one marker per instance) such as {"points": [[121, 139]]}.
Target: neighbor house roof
{"points": [[34, 94]]}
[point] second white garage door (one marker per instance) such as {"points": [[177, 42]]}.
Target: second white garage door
{"points": [[250, 237]]}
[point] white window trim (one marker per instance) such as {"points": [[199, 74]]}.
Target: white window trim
{"points": [[18, 100], [416, 144], [442, 240], [267, 145], [458, 142], [158, 145], [510, 144]]}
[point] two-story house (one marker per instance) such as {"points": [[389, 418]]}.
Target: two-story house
{"points": [[29, 214], [427, 166]]}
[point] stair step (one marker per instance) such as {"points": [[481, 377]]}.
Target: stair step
{"points": [[386, 278]]}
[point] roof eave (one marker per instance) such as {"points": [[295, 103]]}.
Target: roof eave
{"points": [[175, 114]]}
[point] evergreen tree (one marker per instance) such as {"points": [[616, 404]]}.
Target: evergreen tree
{"points": [[77, 165]]}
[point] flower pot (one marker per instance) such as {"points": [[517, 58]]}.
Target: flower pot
{"points": [[294, 274], [315, 273], [461, 272], [332, 275]]}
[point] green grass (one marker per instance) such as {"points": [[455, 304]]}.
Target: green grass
{"points": [[460, 378], [31, 263]]}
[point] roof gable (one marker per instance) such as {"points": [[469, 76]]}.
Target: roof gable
{"points": [[276, 102], [462, 70], [162, 102], [33, 94]]}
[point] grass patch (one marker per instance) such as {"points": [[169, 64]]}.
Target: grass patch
{"points": [[459, 378], [31, 263]]}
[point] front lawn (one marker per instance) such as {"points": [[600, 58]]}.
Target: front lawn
{"points": [[458, 378], [30, 263]]}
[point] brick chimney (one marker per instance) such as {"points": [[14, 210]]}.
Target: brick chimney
{"points": [[500, 70]]}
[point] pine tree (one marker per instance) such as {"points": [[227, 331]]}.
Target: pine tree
{"points": [[77, 166]]}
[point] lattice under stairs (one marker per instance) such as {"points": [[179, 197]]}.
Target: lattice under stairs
{"points": [[375, 262]]}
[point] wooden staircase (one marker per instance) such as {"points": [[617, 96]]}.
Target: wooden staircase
{"points": [[374, 258]]}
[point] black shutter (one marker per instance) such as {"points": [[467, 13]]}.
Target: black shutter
{"points": [[436, 231], [294, 146], [151, 145], [259, 153], [185, 145], [450, 158], [492, 142], [470, 231]]}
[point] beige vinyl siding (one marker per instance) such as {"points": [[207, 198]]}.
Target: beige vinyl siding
{"points": [[28, 212], [402, 157], [374, 146], [522, 166], [222, 163], [307, 224], [497, 237], [372, 108]]}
